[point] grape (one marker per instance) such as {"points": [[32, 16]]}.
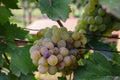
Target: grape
{"points": [[73, 58], [56, 51], [101, 12], [63, 29], [70, 40], [83, 41], [60, 57], [76, 36], [38, 42], [65, 35], [77, 44], [52, 60], [35, 55], [61, 65], [98, 19], [43, 69], [51, 51], [90, 20], [102, 27], [82, 31], [89, 8], [93, 2], [34, 48], [35, 62], [42, 61], [49, 45], [46, 54], [56, 38], [107, 19], [64, 51], [69, 45], [41, 33], [93, 28], [52, 70], [48, 34], [61, 43], [73, 52], [67, 60], [43, 49], [45, 40]]}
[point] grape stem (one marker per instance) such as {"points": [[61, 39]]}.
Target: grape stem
{"points": [[60, 23], [6, 58]]}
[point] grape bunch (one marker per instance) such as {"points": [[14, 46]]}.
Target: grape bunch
{"points": [[57, 50], [96, 20]]}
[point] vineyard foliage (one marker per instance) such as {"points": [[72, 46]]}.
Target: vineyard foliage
{"points": [[102, 64]]}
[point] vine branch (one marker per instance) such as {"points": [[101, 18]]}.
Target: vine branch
{"points": [[60, 23], [6, 58]]}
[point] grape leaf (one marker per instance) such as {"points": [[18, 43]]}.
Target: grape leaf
{"points": [[10, 4], [3, 76], [112, 6], [116, 59], [103, 48], [11, 31], [12, 76], [20, 60], [5, 13], [97, 67], [55, 9], [27, 77], [62, 78]]}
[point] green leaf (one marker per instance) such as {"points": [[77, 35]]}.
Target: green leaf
{"points": [[5, 13], [94, 68], [112, 6], [12, 76], [103, 48], [10, 4], [116, 59], [3, 76], [20, 61], [62, 78], [27, 77], [55, 9], [11, 31]]}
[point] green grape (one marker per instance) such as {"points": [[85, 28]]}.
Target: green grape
{"points": [[56, 38], [98, 19], [93, 2], [82, 31], [45, 40], [61, 43], [73, 52], [42, 61], [73, 58], [91, 20], [38, 42], [85, 14], [43, 69], [77, 44], [102, 27], [49, 45], [34, 48], [35, 55], [52, 70], [48, 34], [76, 35], [67, 60], [40, 33], [56, 31], [62, 29], [89, 8], [65, 35], [93, 28], [83, 41], [107, 19], [64, 51], [101, 12], [35, 62], [52, 60]]}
